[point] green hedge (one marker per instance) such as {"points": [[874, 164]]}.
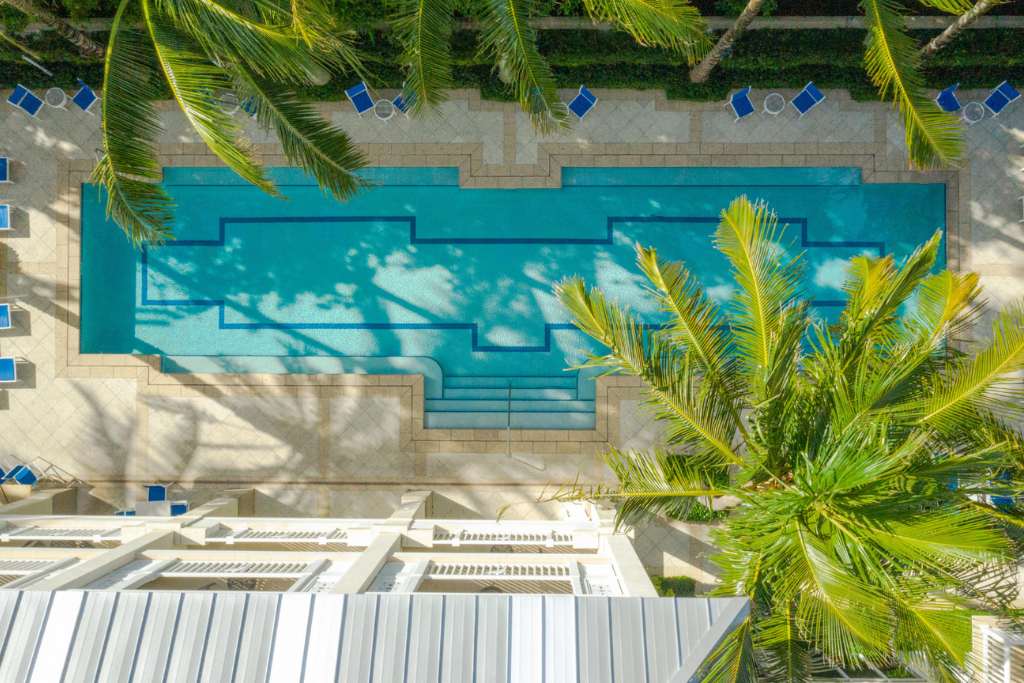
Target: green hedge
{"points": [[764, 59], [674, 586]]}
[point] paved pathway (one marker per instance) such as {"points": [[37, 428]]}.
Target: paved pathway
{"points": [[322, 448]]}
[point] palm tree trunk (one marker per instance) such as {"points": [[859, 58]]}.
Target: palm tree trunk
{"points": [[953, 30], [65, 30], [700, 73]]}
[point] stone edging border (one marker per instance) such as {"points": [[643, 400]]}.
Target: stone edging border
{"points": [[408, 389]]}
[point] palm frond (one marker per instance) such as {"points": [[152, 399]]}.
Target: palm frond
{"points": [[986, 378], [892, 60], [768, 282], [949, 6], [323, 150], [424, 29], [732, 660], [194, 80], [507, 36], [782, 651], [672, 24], [130, 169]]}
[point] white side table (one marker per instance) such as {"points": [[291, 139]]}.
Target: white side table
{"points": [[973, 112], [228, 102], [774, 103], [55, 97], [383, 109]]}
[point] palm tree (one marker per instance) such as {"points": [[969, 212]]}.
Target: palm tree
{"points": [[77, 37], [954, 29], [424, 29], [852, 461], [197, 49], [701, 71]]}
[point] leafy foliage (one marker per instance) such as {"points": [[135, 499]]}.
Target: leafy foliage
{"points": [[856, 458]]}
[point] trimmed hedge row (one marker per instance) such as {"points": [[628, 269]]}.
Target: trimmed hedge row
{"points": [[764, 59]]}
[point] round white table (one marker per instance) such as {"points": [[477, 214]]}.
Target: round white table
{"points": [[973, 112], [383, 109], [774, 103], [56, 97], [228, 102]]}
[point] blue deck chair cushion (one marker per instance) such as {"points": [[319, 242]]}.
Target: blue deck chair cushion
{"points": [[26, 100], [5, 170], [8, 370], [249, 106], [125, 513], [808, 98], [583, 102], [741, 104], [402, 104], [22, 474], [359, 97], [5, 217], [156, 493], [5, 316], [947, 99], [85, 97], [178, 508], [1003, 94]]}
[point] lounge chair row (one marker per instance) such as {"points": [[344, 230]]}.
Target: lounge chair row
{"points": [[1000, 98], [30, 103]]}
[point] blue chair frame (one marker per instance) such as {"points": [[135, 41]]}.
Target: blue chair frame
{"points": [[5, 217], [808, 98], [85, 98], [25, 100], [6, 321], [359, 96], [741, 104], [947, 99], [583, 102], [8, 370], [1000, 97], [5, 170]]}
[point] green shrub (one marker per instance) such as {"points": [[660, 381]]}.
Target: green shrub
{"points": [[674, 586]]}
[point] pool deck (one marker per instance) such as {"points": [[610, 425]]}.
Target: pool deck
{"points": [[307, 443]]}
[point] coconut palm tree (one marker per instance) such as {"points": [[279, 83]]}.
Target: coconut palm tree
{"points": [[74, 35], [424, 29], [853, 461], [963, 21], [701, 72], [259, 49]]}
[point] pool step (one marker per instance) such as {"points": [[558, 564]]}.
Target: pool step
{"points": [[484, 403], [490, 420], [502, 394]]}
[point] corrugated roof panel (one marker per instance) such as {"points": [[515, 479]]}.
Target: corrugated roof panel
{"points": [[694, 618], [527, 643], [663, 653], [392, 638], [252, 659], [357, 638], [629, 656], [9, 601], [223, 637], [325, 636], [55, 640], [188, 646], [458, 654], [91, 638], [426, 637], [559, 638], [23, 637], [594, 647], [289, 648], [151, 661], [125, 629], [492, 638]]}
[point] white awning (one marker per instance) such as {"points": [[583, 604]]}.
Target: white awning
{"points": [[184, 637]]}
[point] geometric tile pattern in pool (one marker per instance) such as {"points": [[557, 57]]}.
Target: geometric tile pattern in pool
{"points": [[418, 275]]}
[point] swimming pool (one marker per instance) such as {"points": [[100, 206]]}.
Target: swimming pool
{"points": [[417, 275]]}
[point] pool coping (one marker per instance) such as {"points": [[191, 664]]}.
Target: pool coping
{"points": [[876, 167]]}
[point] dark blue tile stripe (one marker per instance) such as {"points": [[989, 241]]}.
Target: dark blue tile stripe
{"points": [[414, 238]]}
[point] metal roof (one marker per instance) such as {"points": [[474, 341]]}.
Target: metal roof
{"points": [[188, 637]]}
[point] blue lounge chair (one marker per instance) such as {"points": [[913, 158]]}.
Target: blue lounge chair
{"points": [[1003, 94], [808, 98], [5, 217], [179, 507], [5, 170], [21, 474], [26, 100], [360, 98], [85, 98], [249, 106], [402, 104], [8, 371], [947, 99], [125, 513], [583, 102], [741, 104], [156, 493], [5, 317]]}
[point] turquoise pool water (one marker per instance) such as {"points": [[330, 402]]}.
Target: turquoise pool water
{"points": [[418, 275]]}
